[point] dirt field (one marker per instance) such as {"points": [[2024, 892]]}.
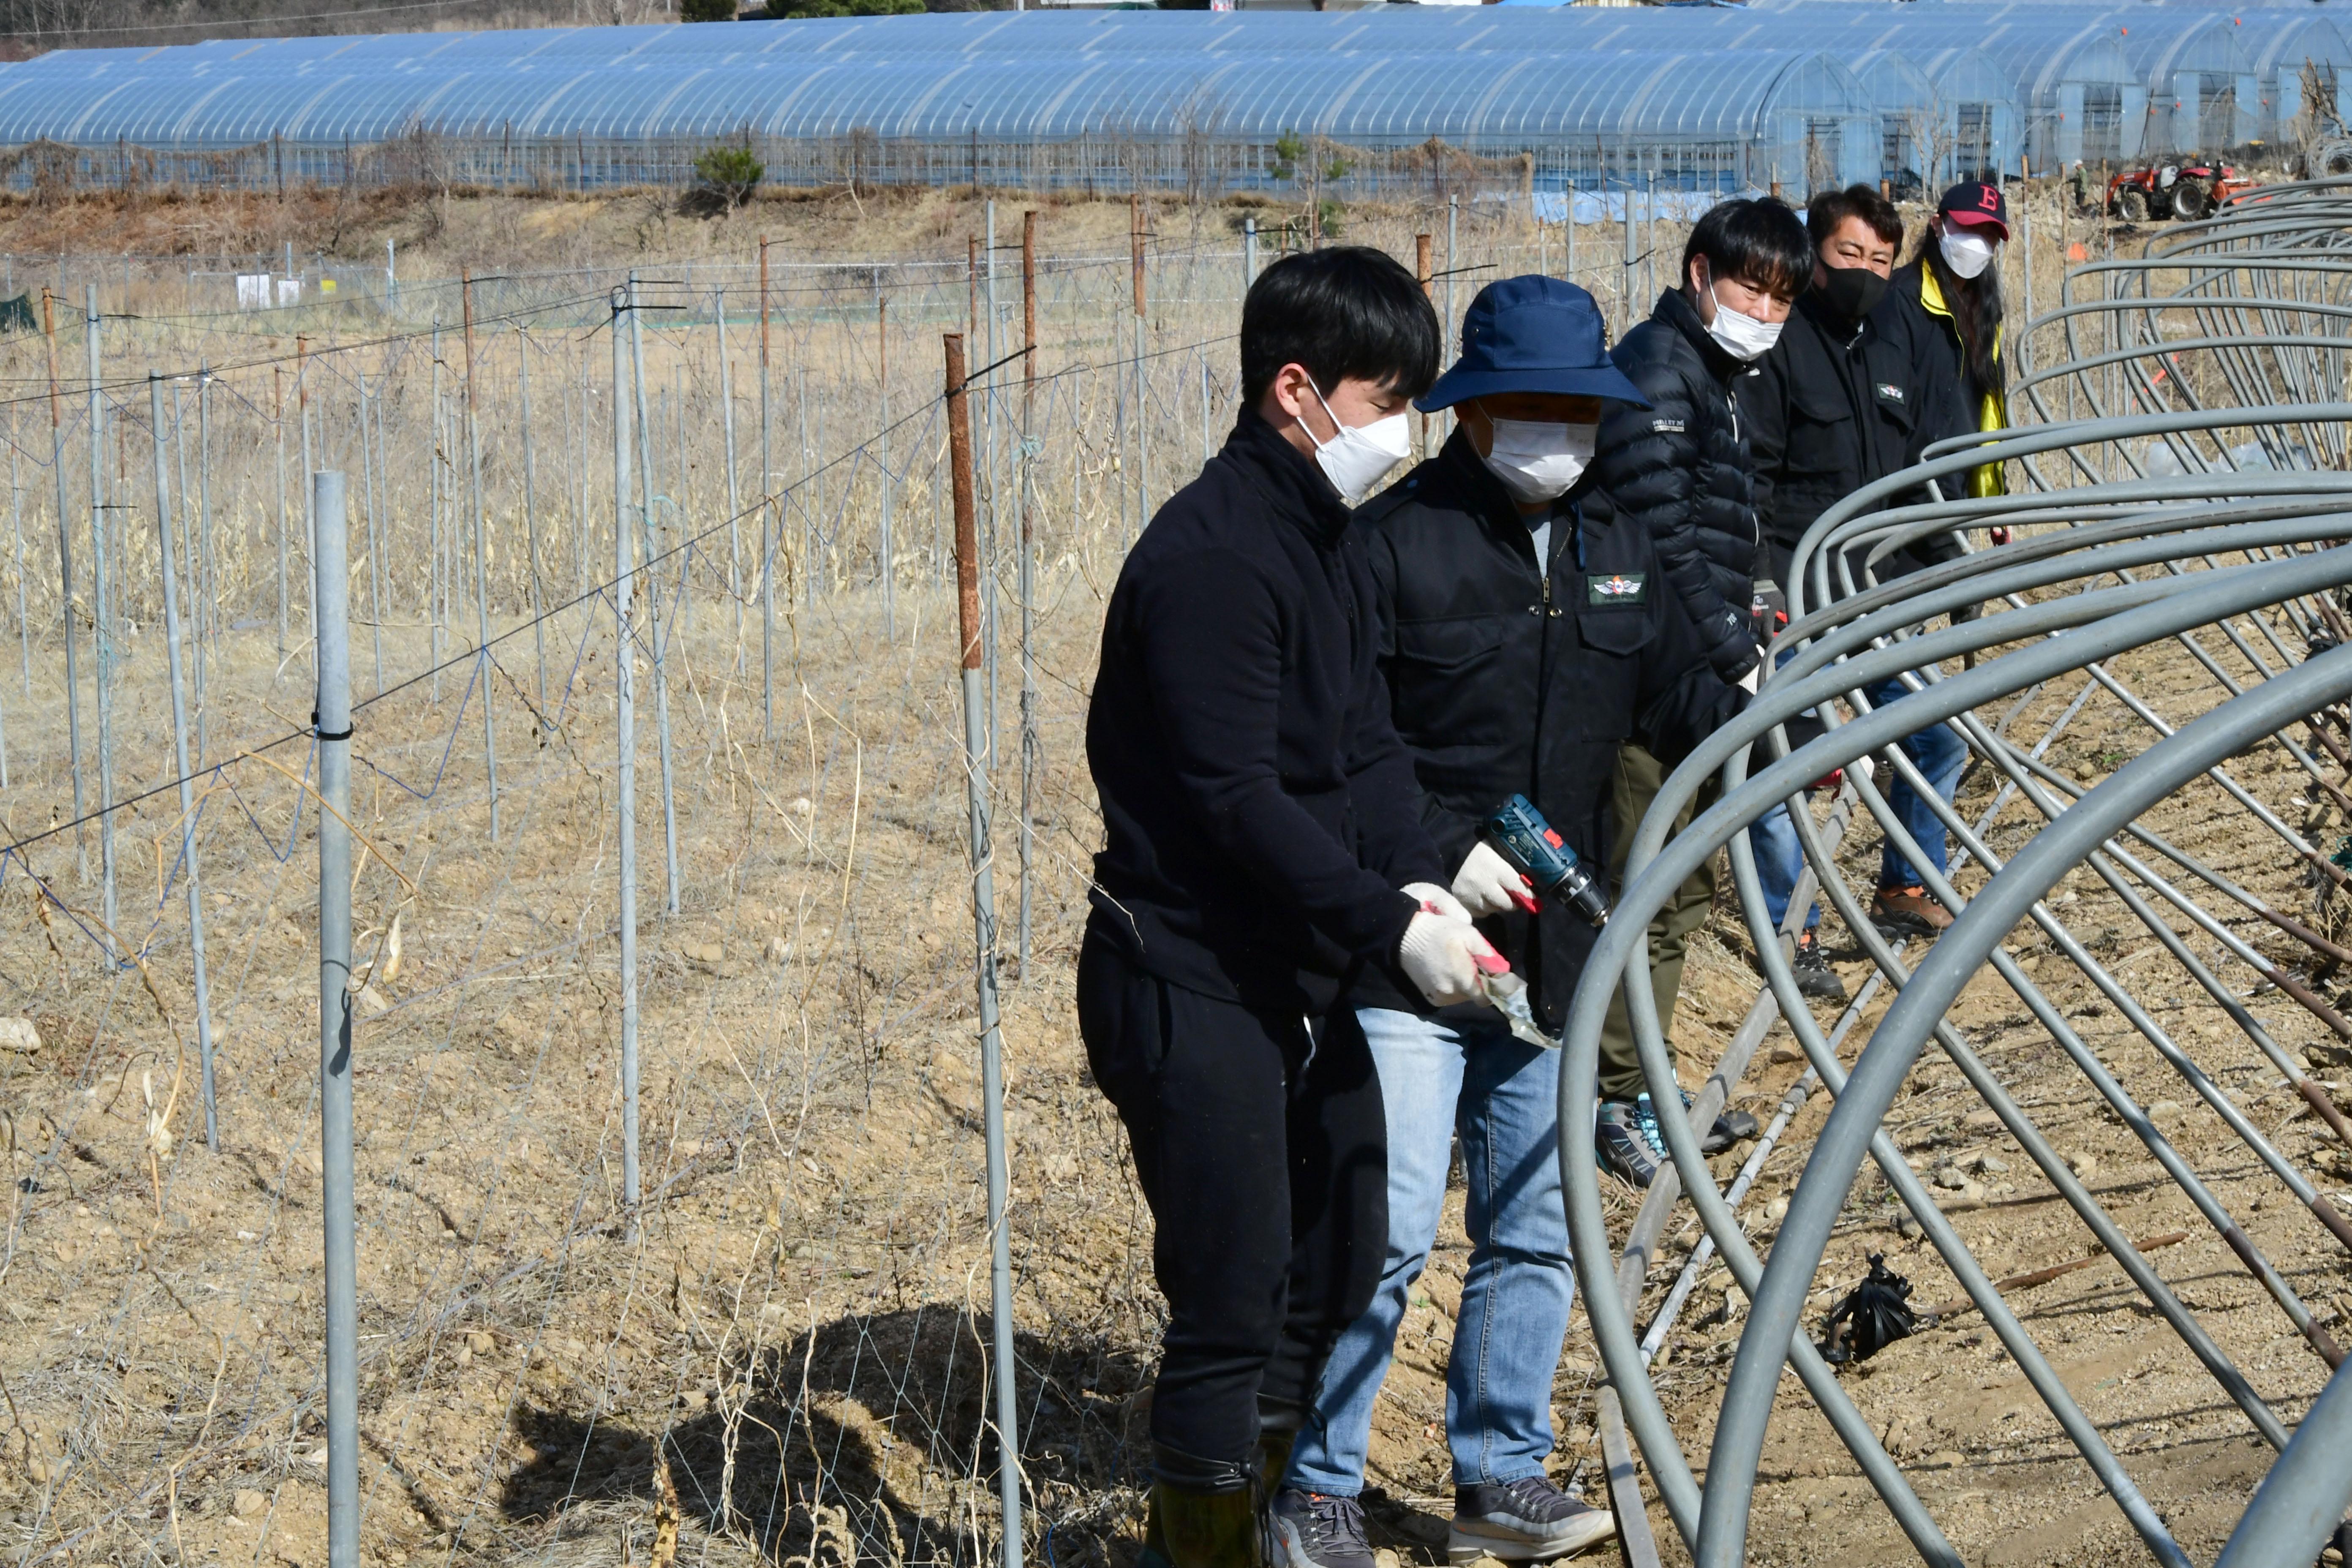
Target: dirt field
{"points": [[785, 1361], [810, 1268]]}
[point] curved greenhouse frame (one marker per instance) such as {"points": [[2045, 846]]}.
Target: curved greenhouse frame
{"points": [[2082, 97], [1977, 113], [2204, 95], [1923, 141], [2192, 509], [2280, 46]]}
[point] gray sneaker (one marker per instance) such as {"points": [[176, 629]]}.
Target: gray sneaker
{"points": [[1314, 1530], [1627, 1138], [1727, 1128], [1815, 978], [1526, 1521]]}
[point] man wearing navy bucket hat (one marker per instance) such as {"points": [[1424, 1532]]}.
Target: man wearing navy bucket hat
{"points": [[1526, 634]]}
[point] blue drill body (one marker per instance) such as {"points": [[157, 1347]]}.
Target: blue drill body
{"points": [[1521, 835]]}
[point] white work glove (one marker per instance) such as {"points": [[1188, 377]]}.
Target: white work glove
{"points": [[1443, 952], [1489, 885], [1747, 681], [1436, 901]]}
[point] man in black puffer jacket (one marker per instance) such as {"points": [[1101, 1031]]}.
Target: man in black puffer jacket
{"points": [[1680, 469]]}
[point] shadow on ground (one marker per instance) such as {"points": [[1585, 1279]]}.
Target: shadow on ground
{"points": [[867, 1441]]}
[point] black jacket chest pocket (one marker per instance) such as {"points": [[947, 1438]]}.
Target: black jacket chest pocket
{"points": [[1442, 680], [1818, 399], [1446, 648], [1615, 628], [1892, 401], [1606, 674], [1614, 596], [1822, 438]]}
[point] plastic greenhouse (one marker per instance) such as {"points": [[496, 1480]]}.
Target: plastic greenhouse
{"points": [[628, 105], [1395, 99], [2282, 47]]}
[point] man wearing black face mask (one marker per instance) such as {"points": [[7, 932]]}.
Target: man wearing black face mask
{"points": [[1836, 406], [1831, 407]]}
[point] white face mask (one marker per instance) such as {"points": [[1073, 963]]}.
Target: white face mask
{"points": [[1966, 254], [1355, 459], [1742, 336], [1539, 462]]}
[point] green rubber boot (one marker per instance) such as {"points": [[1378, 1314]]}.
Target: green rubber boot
{"points": [[1278, 1423], [1204, 1529], [1155, 1538], [1274, 1457]]}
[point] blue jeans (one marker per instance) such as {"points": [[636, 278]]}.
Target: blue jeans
{"points": [[1780, 859], [1940, 755], [1772, 838], [1501, 1097], [1936, 752]]}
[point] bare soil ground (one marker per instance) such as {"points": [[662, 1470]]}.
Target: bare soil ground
{"points": [[799, 1323], [803, 1277]]}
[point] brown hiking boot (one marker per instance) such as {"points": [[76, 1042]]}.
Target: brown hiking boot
{"points": [[1907, 911]]}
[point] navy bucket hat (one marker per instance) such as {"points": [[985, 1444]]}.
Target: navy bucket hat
{"points": [[1531, 334]]}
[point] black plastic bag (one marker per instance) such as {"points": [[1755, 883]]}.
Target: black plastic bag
{"points": [[1871, 1316]]}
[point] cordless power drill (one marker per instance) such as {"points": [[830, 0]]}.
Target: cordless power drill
{"points": [[1521, 835]]}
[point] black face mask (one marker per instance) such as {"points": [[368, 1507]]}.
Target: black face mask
{"points": [[1852, 292]]}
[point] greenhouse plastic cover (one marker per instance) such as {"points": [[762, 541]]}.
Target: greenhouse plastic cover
{"points": [[550, 85], [1394, 74]]}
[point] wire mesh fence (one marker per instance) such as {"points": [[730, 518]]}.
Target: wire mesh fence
{"points": [[785, 1312]]}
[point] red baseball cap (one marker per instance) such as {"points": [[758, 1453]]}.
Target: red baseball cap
{"points": [[1977, 205]]}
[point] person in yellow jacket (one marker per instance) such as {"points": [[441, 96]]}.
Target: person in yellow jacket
{"points": [[1948, 308], [1949, 295]]}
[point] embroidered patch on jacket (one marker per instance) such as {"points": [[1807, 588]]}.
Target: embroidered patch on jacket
{"points": [[1888, 391], [1666, 426], [1615, 588]]}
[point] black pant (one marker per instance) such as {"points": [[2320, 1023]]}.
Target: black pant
{"points": [[1263, 1153]]}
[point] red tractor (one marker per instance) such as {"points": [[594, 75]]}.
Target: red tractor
{"points": [[2186, 190]]}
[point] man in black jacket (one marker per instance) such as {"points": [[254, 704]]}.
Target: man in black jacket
{"points": [[1680, 468], [1836, 406], [1525, 635], [1264, 850], [1832, 407]]}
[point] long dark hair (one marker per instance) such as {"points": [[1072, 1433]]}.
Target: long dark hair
{"points": [[1975, 304]]}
